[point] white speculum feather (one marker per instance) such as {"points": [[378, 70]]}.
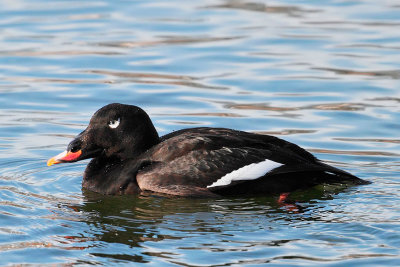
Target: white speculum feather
{"points": [[248, 172], [114, 123]]}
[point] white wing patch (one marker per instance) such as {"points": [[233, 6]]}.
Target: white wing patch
{"points": [[248, 172]]}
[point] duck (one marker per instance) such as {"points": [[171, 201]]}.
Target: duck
{"points": [[129, 157]]}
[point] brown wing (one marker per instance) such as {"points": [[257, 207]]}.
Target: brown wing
{"points": [[190, 174], [188, 161]]}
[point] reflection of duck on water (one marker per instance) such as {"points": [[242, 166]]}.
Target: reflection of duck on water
{"points": [[129, 157]]}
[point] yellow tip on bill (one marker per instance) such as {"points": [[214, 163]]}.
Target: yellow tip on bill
{"points": [[52, 161], [56, 159]]}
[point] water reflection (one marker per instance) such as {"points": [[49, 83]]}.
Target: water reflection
{"points": [[142, 221]]}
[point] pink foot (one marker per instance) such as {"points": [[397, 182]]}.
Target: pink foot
{"points": [[283, 197]]}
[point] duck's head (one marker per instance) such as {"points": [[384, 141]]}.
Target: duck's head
{"points": [[116, 130]]}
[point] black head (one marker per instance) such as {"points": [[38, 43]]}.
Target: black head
{"points": [[114, 131]]}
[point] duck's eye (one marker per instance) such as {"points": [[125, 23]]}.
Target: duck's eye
{"points": [[114, 123]]}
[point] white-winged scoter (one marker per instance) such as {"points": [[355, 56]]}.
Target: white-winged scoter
{"points": [[129, 158]]}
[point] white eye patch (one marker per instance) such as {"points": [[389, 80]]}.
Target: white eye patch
{"points": [[114, 123]]}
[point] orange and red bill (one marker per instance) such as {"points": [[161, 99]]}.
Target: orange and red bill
{"points": [[65, 156]]}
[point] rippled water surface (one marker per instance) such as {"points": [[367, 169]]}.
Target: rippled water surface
{"points": [[322, 74]]}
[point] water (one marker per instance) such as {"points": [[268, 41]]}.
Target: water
{"points": [[322, 74]]}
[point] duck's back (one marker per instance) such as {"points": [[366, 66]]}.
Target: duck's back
{"points": [[207, 161]]}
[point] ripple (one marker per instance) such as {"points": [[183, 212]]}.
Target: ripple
{"points": [[394, 74], [34, 53], [287, 132], [293, 11], [396, 141], [322, 106], [361, 153], [167, 40]]}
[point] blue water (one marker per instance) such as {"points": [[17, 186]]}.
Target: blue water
{"points": [[322, 74]]}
